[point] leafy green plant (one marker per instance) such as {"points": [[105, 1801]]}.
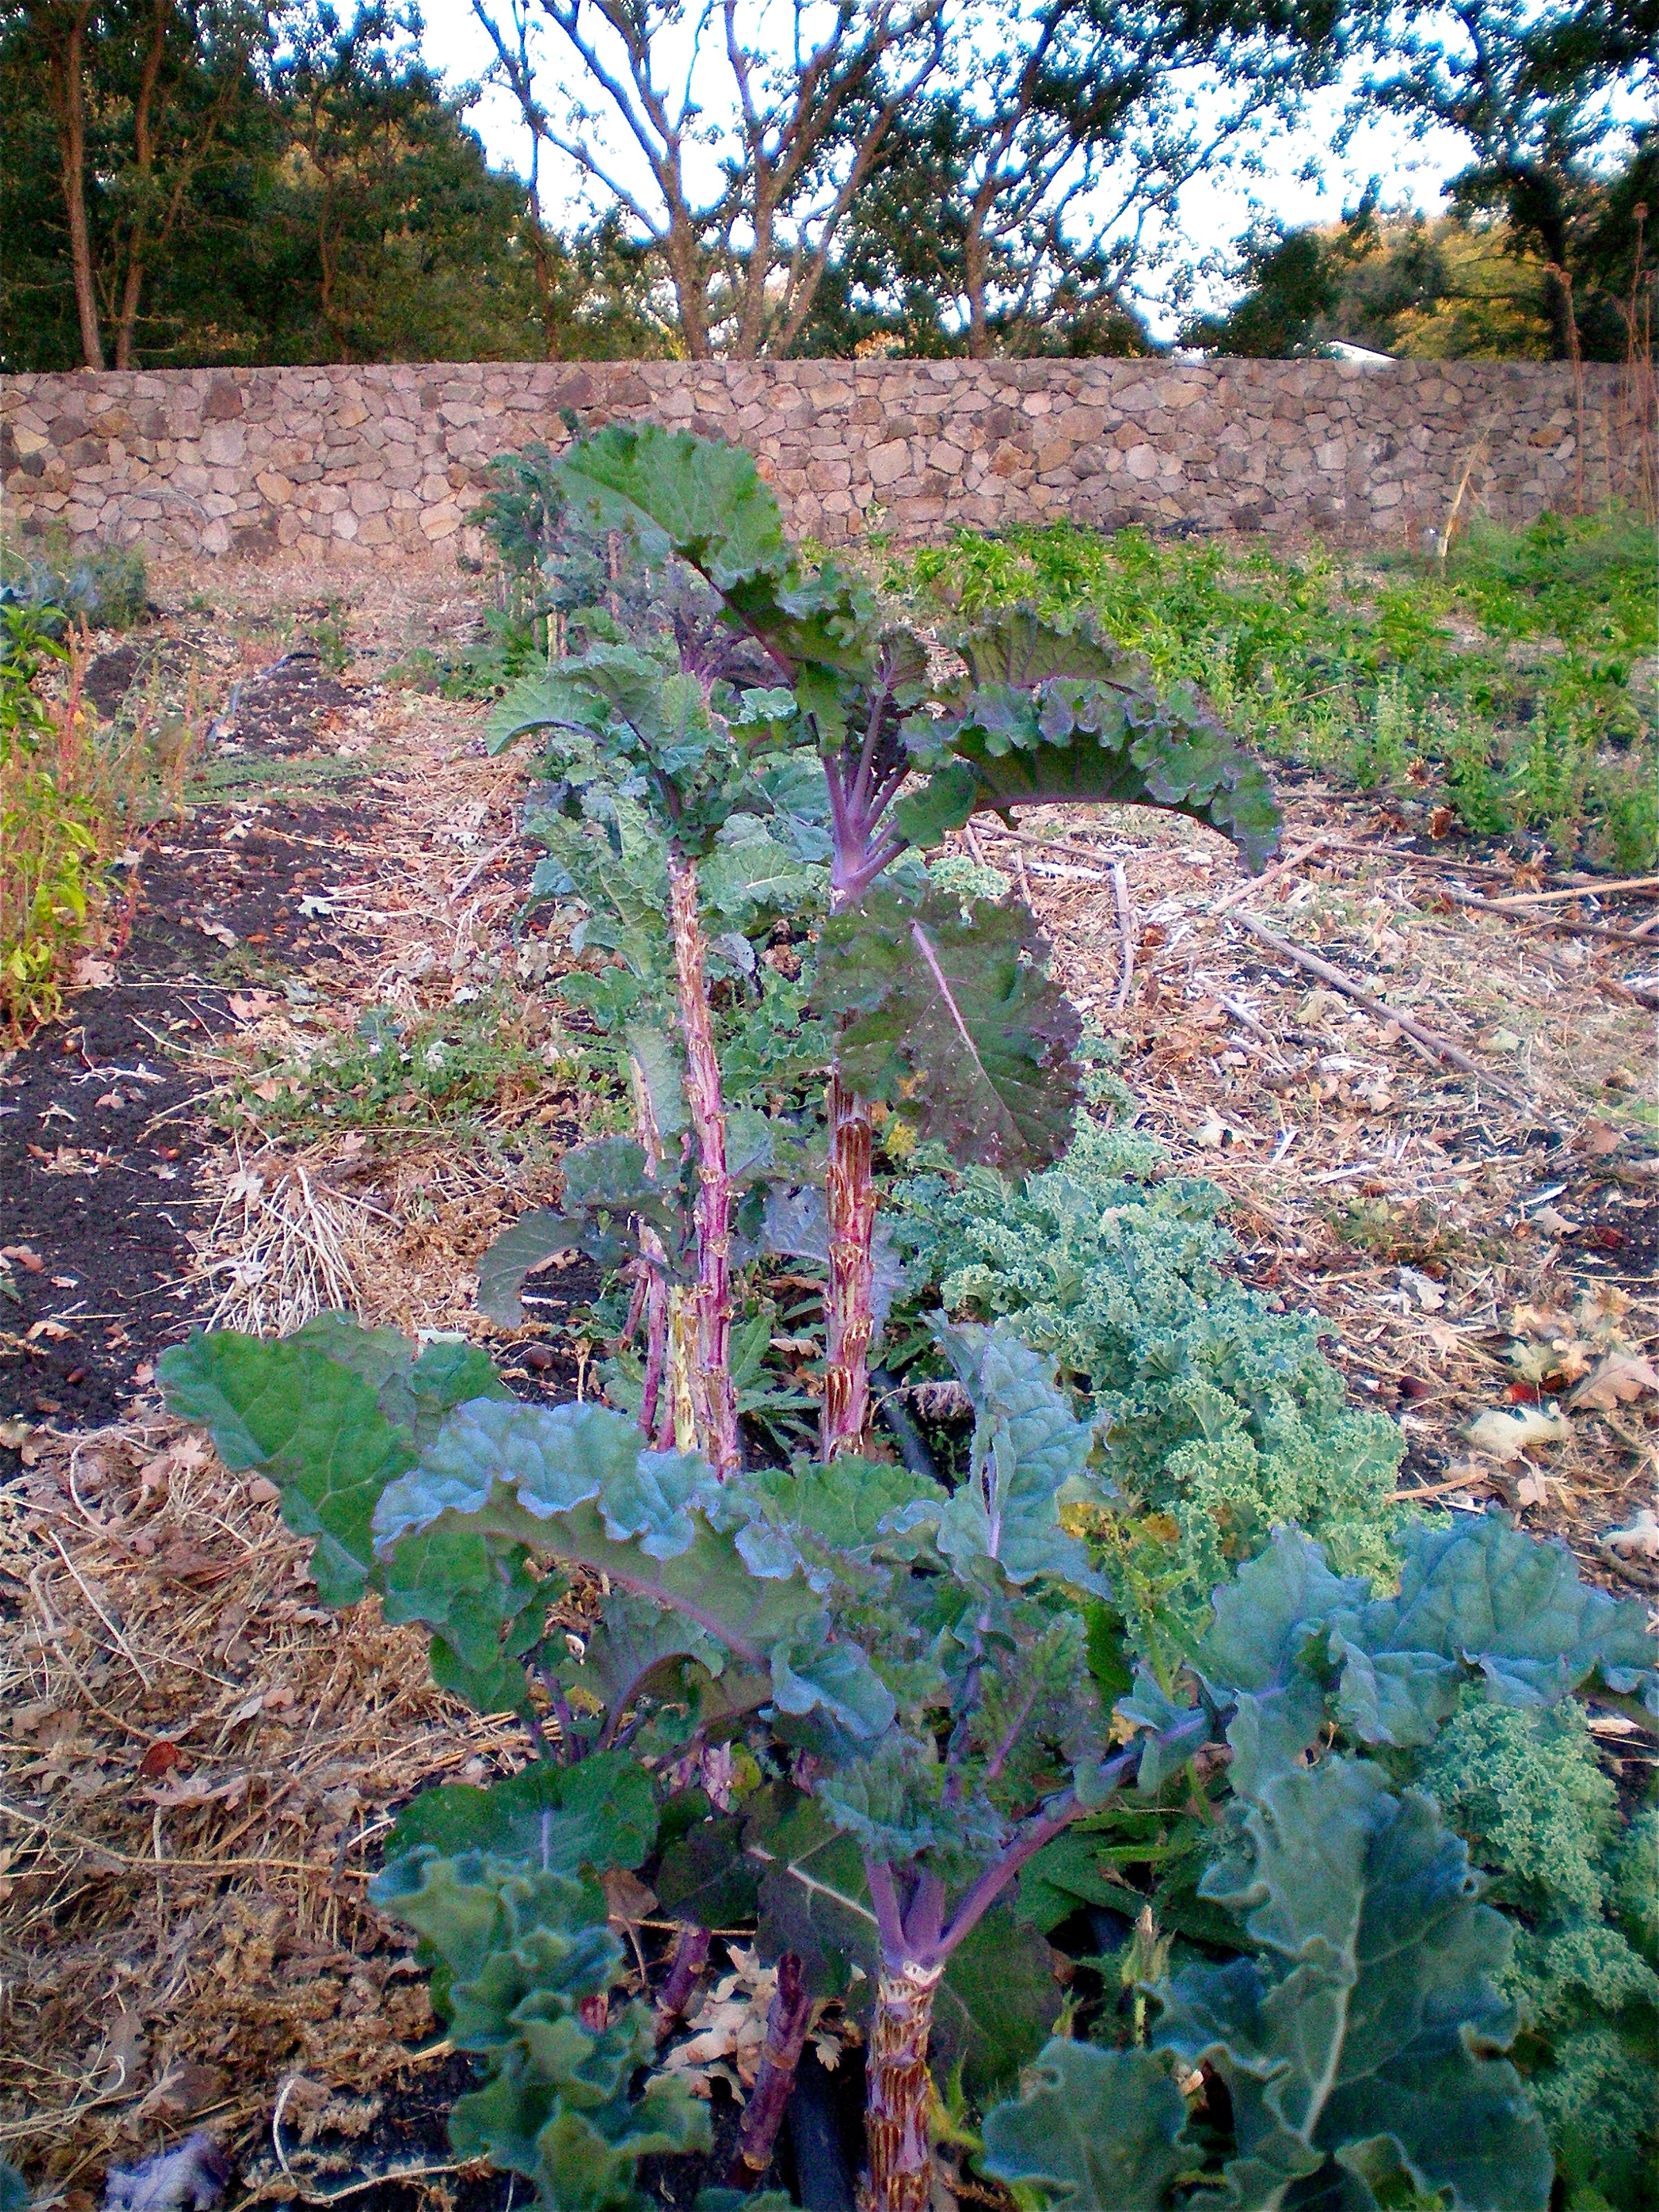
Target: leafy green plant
{"points": [[1221, 1418], [954, 1014], [914, 1672], [1357, 2035], [395, 1070], [1515, 667], [58, 799], [106, 587]]}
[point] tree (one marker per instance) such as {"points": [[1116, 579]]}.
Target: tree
{"points": [[294, 190], [746, 250], [1533, 94]]}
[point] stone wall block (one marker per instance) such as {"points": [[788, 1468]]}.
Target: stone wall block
{"points": [[388, 456]]}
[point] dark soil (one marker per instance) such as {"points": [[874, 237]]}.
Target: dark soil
{"points": [[100, 1125]]}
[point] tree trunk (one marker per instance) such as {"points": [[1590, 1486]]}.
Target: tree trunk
{"points": [[898, 2105], [143, 140], [850, 1197], [68, 62], [713, 1381]]}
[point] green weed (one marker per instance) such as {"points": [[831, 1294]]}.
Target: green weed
{"points": [[1506, 684], [445, 1068]]}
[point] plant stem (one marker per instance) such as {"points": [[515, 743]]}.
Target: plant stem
{"points": [[713, 1204], [655, 1284], [690, 1955], [786, 2023], [850, 1198], [899, 2102]]}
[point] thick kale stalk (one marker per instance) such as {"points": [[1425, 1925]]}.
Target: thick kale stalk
{"points": [[787, 2019], [850, 1197], [898, 2110], [712, 1391]]}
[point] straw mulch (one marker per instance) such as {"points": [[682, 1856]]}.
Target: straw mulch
{"points": [[197, 1762]]}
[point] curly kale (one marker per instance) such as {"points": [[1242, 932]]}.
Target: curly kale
{"points": [[1222, 1416], [1524, 1787]]}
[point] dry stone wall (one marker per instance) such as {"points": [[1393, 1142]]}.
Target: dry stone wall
{"points": [[390, 460]]}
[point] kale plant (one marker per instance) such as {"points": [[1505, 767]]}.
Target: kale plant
{"points": [[1221, 1418], [925, 1683], [946, 1009], [912, 1671]]}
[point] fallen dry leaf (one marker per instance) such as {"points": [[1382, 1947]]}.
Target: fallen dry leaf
{"points": [[93, 974], [1621, 1376], [1506, 1435], [25, 1256], [1639, 1542]]}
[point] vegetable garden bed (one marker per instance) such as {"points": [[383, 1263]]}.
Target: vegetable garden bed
{"points": [[1472, 1252]]}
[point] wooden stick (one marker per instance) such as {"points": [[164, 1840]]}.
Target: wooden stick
{"points": [[1426, 1038], [1126, 938], [1513, 910], [1578, 891], [1319, 844]]}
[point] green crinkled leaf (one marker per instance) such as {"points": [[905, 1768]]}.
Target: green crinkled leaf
{"points": [[1394, 1697], [998, 2000], [744, 881], [707, 1876], [534, 1238], [814, 1671], [1363, 2022], [1482, 1593], [572, 1481], [1268, 1611], [813, 1898], [658, 1072], [892, 1800], [310, 1425], [482, 1604], [845, 1512], [704, 500], [527, 1949], [632, 1641], [1097, 2130], [597, 1815], [1058, 711], [954, 1020], [547, 699], [1029, 1450]]}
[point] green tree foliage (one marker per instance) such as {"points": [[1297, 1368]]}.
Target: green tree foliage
{"points": [[259, 188], [1534, 93], [1458, 287]]}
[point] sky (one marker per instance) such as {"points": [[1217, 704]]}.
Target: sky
{"points": [[1412, 171]]}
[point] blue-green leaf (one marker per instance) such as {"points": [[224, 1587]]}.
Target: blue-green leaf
{"points": [[595, 1816], [311, 1424], [1363, 2021], [1095, 2130]]}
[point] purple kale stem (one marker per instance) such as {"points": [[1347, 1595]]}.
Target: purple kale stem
{"points": [[786, 2023], [883, 1898], [690, 1955], [850, 1201], [713, 1202]]}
